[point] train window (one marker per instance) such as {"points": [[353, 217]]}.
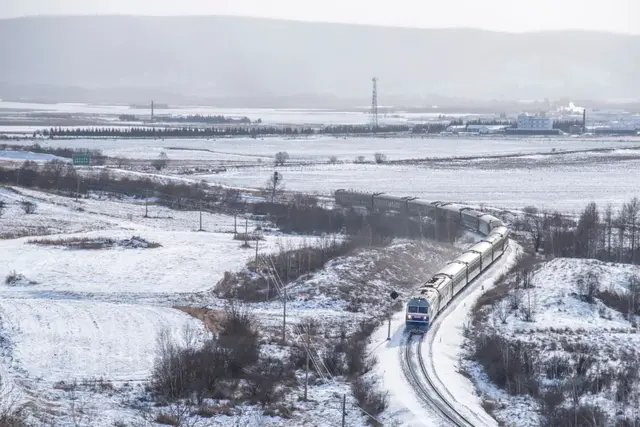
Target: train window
{"points": [[423, 309], [412, 309]]}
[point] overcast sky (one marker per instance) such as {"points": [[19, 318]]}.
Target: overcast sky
{"points": [[498, 15]]}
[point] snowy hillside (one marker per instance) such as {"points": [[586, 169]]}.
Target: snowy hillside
{"points": [[558, 345], [79, 320]]}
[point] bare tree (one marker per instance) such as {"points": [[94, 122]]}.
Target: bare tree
{"points": [[121, 161], [333, 160], [534, 224], [161, 162], [608, 223], [502, 310], [359, 159], [515, 299], [274, 186], [28, 207], [588, 286], [281, 157], [631, 213], [587, 232], [380, 158], [528, 310]]}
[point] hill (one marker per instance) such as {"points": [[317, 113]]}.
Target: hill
{"points": [[116, 58]]}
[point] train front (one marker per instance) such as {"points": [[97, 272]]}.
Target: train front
{"points": [[417, 315]]}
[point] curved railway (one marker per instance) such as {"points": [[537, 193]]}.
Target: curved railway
{"points": [[418, 375], [440, 291]]}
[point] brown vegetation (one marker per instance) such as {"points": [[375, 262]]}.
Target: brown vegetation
{"points": [[95, 242]]}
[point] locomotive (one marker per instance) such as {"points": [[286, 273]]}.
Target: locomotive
{"points": [[433, 296]]}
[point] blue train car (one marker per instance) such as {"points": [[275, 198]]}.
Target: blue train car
{"points": [[417, 315]]}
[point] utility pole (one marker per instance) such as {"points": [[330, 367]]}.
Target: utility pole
{"points": [[344, 409], [78, 188], [284, 314], [200, 216], [246, 231], [146, 203], [235, 224], [276, 177], [257, 252], [306, 370]]}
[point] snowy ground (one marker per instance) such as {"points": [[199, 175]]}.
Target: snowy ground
{"points": [[80, 314], [565, 326], [320, 148], [567, 188], [443, 359]]}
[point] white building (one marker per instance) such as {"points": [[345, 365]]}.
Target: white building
{"points": [[486, 129], [539, 122]]}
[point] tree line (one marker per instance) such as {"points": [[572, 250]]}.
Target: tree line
{"points": [[604, 234], [55, 151], [191, 118], [213, 132]]}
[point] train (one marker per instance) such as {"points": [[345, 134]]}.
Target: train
{"points": [[433, 296]]}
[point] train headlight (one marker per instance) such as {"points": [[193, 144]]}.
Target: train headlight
{"points": [[409, 317]]}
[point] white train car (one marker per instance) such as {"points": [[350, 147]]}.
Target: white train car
{"points": [[440, 290]]}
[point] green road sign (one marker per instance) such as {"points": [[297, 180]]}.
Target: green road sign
{"points": [[82, 159]]}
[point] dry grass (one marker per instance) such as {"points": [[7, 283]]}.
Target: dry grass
{"points": [[95, 243], [248, 237], [37, 231], [210, 318]]}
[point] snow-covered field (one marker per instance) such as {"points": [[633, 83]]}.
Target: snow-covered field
{"points": [[567, 188], [82, 314], [565, 328], [268, 115], [539, 176], [320, 148]]}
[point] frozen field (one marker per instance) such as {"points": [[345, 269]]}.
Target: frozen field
{"points": [[268, 115], [321, 148], [563, 187], [88, 314]]}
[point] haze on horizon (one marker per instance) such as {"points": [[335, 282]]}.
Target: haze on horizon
{"points": [[193, 51], [497, 15]]}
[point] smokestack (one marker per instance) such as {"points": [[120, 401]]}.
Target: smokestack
{"points": [[584, 120]]}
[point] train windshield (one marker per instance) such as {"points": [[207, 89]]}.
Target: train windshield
{"points": [[416, 309]]}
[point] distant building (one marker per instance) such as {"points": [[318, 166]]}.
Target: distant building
{"points": [[527, 122], [457, 128], [486, 129]]}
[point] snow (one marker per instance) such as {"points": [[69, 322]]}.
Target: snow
{"points": [[81, 314], [443, 357], [57, 340], [447, 339], [562, 321], [320, 148], [28, 155]]}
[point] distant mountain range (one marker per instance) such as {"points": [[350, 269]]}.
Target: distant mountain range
{"points": [[261, 62]]}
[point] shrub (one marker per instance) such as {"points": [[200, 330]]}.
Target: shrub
{"points": [[167, 419], [281, 157], [185, 372], [333, 160], [509, 365], [161, 162], [2, 207], [578, 416], [13, 278], [369, 399], [380, 158], [28, 207]]}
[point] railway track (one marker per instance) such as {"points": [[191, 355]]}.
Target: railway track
{"points": [[418, 375]]}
